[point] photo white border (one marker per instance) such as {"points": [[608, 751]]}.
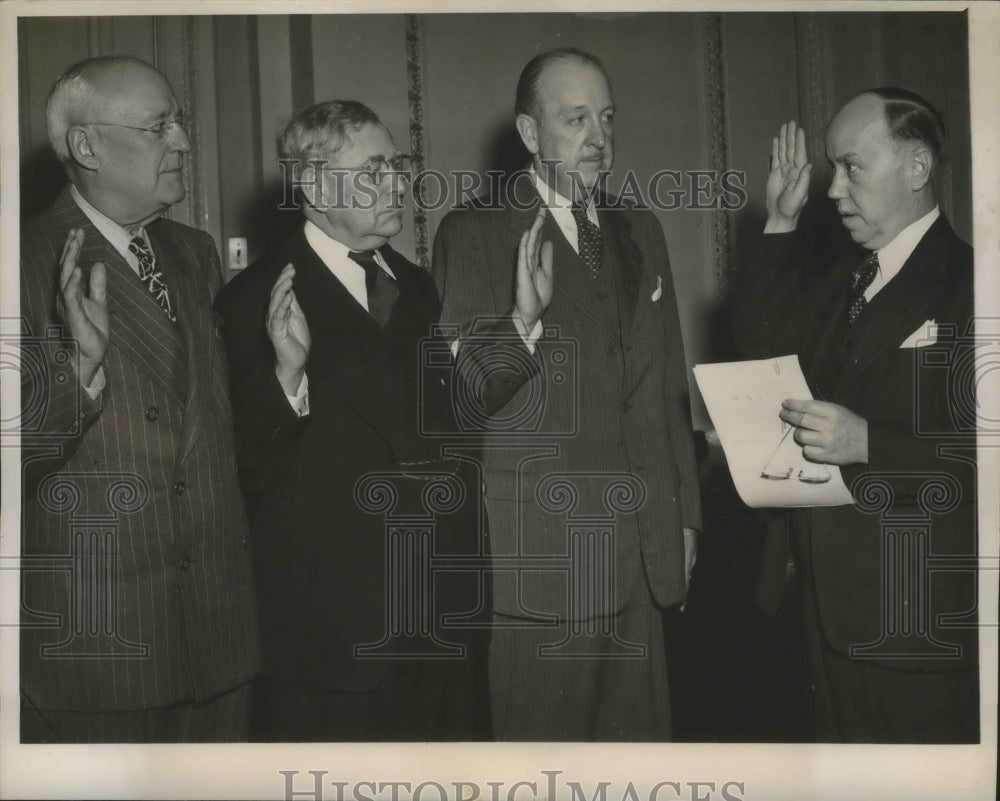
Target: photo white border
{"points": [[767, 772]]}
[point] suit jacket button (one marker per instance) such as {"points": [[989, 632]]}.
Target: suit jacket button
{"points": [[611, 350], [186, 563], [179, 488], [245, 543], [152, 414]]}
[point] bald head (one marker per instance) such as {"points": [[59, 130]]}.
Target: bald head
{"points": [[882, 173], [92, 90]]}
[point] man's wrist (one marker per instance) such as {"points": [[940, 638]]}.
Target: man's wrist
{"points": [[780, 225], [290, 379]]}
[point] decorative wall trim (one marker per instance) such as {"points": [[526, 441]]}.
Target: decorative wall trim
{"points": [[195, 168], [718, 146], [814, 84], [415, 101]]}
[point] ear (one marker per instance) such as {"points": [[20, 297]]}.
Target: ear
{"points": [[81, 149], [528, 129], [921, 168]]}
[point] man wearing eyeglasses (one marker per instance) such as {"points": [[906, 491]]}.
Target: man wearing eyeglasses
{"points": [[324, 342], [138, 615]]}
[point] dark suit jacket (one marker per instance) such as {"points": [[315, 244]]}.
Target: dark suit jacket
{"points": [[320, 537], [600, 400], [141, 486], [912, 400]]}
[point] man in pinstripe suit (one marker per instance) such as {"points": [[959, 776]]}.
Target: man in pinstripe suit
{"points": [[138, 610]]}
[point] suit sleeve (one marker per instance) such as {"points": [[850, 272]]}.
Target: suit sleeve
{"points": [[267, 429], [56, 411], [490, 366], [677, 389], [769, 318]]}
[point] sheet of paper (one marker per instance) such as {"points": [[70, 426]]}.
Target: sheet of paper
{"points": [[766, 463]]}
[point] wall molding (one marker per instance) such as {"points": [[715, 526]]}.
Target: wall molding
{"points": [[718, 146], [415, 101]]}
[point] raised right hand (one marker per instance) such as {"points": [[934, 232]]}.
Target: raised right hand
{"points": [[533, 292], [85, 315], [288, 331], [788, 180]]}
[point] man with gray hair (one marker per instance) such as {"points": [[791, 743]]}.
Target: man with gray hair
{"points": [[330, 395], [138, 612]]}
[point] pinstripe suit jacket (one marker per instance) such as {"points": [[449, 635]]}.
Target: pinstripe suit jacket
{"points": [[621, 408], [137, 586]]}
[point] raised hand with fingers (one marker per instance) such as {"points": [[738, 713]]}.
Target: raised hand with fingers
{"points": [[288, 331], [84, 313], [533, 291], [788, 180]]}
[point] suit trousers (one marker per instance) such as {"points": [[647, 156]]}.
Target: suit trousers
{"points": [[863, 701], [598, 688], [224, 718]]}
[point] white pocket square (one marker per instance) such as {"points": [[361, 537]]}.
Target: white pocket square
{"points": [[925, 335], [658, 293]]}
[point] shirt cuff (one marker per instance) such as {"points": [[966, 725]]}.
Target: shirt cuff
{"points": [[97, 385], [300, 400], [529, 338]]}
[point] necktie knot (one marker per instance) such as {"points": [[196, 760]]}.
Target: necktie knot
{"points": [[366, 260], [590, 244], [861, 279]]}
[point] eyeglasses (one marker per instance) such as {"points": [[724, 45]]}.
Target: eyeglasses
{"points": [[377, 168], [160, 130]]}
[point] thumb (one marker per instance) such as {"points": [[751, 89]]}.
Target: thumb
{"points": [[98, 283], [802, 184]]}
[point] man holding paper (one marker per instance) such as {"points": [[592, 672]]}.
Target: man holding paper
{"points": [[880, 335]]}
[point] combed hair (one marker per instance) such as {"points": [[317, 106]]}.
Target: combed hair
{"points": [[73, 91], [910, 118], [321, 130], [526, 99]]}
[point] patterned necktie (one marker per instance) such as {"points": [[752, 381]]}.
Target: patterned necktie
{"points": [[861, 279], [590, 243], [151, 275], [382, 290]]}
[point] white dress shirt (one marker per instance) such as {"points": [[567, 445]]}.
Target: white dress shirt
{"points": [[893, 256]]}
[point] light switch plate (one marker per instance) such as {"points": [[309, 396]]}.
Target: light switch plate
{"points": [[237, 253]]}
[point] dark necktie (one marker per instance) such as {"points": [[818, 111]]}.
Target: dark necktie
{"points": [[382, 290], [151, 275], [861, 279], [590, 243]]}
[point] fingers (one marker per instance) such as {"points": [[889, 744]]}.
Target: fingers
{"points": [[281, 295], [774, 152], [70, 253], [534, 240], [801, 158], [790, 132], [545, 262], [98, 283]]}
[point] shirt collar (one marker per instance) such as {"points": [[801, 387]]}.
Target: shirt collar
{"points": [[333, 252], [559, 205], [117, 236], [893, 256]]}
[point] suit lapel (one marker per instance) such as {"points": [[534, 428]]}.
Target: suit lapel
{"points": [[901, 306], [570, 280], [349, 352], [140, 331], [186, 284], [628, 262]]}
